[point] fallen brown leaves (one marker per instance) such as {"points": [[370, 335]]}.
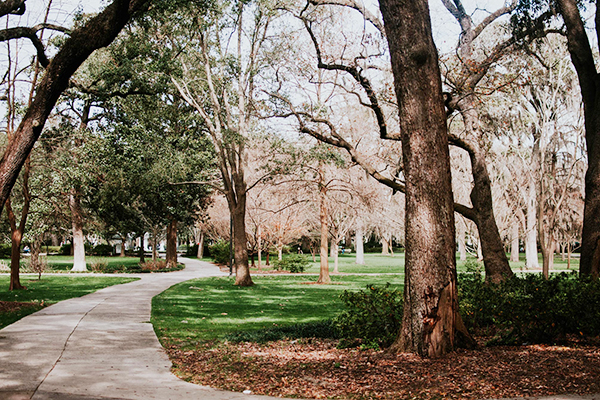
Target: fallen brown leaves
{"points": [[316, 369], [10, 306]]}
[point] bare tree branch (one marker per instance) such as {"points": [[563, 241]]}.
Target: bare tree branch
{"points": [[372, 18]]}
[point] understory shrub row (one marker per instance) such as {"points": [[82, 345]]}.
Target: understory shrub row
{"points": [[531, 309], [521, 310], [219, 251], [148, 266]]}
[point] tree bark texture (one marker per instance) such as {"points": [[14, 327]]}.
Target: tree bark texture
{"points": [[98, 32], [79, 263], [171, 255], [514, 242], [240, 243], [200, 253], [431, 320], [324, 262], [589, 81]]}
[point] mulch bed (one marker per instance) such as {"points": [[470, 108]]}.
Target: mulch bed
{"points": [[312, 368]]}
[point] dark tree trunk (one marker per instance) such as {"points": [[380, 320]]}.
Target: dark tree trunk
{"points": [[431, 321], [589, 81], [171, 256], [141, 252], [98, 32]]}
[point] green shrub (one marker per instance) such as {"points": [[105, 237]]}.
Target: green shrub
{"points": [[321, 329], [219, 251], [102, 250], [294, 263], [5, 250], [191, 251], [373, 315], [531, 309], [65, 249]]}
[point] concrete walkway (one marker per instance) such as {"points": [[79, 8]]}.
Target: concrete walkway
{"points": [[100, 346]]}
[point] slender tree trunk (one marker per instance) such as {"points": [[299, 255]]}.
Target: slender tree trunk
{"points": [[359, 244], [141, 251], [200, 253], [324, 271], [154, 243], [279, 250], [78, 247], [334, 247], [462, 245], [569, 255], [259, 245], [267, 259], [531, 255], [123, 242], [171, 255], [431, 321], [514, 243], [15, 253]]}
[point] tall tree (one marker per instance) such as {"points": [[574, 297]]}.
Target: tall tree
{"points": [[97, 32]]}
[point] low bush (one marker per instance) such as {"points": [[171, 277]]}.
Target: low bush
{"points": [[294, 263], [102, 250], [65, 249], [99, 266], [219, 251], [531, 309], [373, 315], [153, 265], [320, 329]]}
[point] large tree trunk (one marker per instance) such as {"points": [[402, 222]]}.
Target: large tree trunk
{"points": [[97, 32], [589, 81], [359, 243], [154, 244], [171, 255], [324, 270], [431, 320]]}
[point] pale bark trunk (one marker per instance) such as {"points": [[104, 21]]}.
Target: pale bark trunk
{"points": [[280, 251], [79, 263], [324, 270], [123, 242], [259, 245], [359, 244], [334, 247], [431, 320], [531, 255], [514, 243], [479, 250], [385, 247]]}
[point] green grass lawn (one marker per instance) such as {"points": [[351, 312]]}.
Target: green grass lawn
{"points": [[49, 290], [206, 309], [377, 263]]}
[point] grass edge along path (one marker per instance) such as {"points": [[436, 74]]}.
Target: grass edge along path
{"points": [[47, 291], [206, 309]]}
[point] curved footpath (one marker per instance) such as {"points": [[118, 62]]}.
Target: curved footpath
{"points": [[102, 346]]}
